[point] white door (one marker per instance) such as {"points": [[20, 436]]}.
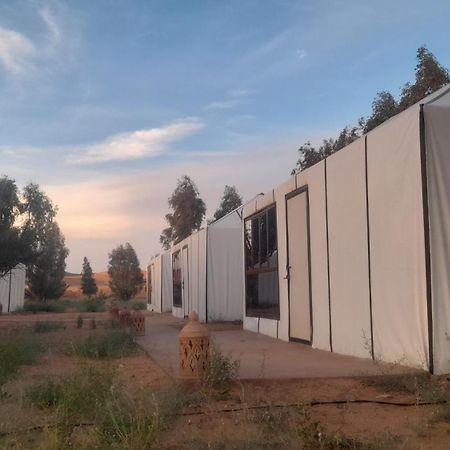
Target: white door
{"points": [[185, 280], [297, 222]]}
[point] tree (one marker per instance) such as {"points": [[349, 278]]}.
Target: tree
{"points": [[88, 283], [125, 275], [188, 212], [430, 76], [384, 106], [229, 202], [46, 273], [16, 242]]}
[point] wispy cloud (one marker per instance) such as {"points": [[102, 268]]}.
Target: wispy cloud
{"points": [[55, 42], [224, 104], [235, 98], [136, 144], [16, 51]]}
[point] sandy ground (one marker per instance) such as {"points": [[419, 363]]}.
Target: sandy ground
{"points": [[251, 415], [102, 280]]}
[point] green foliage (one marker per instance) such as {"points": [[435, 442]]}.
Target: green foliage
{"points": [[112, 344], [88, 283], [221, 370], [138, 306], [90, 305], [17, 242], [430, 76], [45, 327], [188, 212], [79, 322], [34, 306], [17, 349], [229, 202], [126, 278]]}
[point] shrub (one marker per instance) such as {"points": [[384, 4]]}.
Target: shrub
{"points": [[221, 370], [80, 322], [112, 344], [136, 306], [16, 350], [90, 305], [35, 306], [45, 327], [93, 324]]}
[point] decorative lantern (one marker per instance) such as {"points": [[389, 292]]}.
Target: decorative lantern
{"points": [[124, 318], [137, 323], [194, 348]]}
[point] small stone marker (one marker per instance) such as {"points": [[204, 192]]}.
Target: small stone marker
{"points": [[194, 348]]}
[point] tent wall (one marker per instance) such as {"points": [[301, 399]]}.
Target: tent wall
{"points": [[367, 253], [437, 146], [154, 285], [12, 289], [348, 257], [397, 250], [224, 262], [195, 281], [159, 295], [166, 282]]}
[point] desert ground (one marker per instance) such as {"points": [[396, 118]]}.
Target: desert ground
{"points": [[90, 385]]}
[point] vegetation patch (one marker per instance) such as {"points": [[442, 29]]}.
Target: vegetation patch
{"points": [[111, 344], [16, 350], [45, 327], [36, 306]]}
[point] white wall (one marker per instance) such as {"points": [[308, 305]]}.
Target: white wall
{"points": [[12, 289]]}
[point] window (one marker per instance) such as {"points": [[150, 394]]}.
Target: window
{"points": [[261, 265], [176, 279]]}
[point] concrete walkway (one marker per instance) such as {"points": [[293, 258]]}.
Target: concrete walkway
{"points": [[260, 356]]}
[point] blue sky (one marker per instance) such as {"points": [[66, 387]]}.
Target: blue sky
{"points": [[106, 103]]}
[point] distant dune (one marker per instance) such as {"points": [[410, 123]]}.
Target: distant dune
{"points": [[101, 278]]}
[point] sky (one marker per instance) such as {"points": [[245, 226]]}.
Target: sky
{"points": [[106, 103]]}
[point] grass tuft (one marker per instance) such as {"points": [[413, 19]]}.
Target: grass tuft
{"points": [[16, 350], [111, 344], [45, 327]]}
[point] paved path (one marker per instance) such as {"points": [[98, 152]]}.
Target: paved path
{"points": [[260, 356]]}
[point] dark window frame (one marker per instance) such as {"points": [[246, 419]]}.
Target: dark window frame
{"points": [[255, 312]]}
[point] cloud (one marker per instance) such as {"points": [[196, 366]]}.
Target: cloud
{"points": [[16, 51], [54, 45], [301, 54], [136, 144], [224, 104]]}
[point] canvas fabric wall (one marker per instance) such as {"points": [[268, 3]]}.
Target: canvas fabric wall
{"points": [[12, 289], [397, 251], [155, 295], [166, 282], [348, 251], [437, 145], [224, 268]]}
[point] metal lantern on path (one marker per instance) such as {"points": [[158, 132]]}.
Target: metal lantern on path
{"points": [[194, 348]]}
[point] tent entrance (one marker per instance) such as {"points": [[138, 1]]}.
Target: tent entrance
{"points": [[298, 266], [185, 280]]}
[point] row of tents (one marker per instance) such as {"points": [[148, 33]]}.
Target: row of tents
{"points": [[351, 255]]}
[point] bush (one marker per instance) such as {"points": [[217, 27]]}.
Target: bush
{"points": [[137, 306], [90, 305], [35, 306], [112, 344], [16, 350], [221, 370], [80, 322], [45, 327]]}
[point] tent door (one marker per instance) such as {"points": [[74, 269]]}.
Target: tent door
{"points": [[185, 281], [298, 267]]}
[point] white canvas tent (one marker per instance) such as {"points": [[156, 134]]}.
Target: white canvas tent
{"points": [[353, 254], [12, 289], [159, 283], [203, 271]]}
